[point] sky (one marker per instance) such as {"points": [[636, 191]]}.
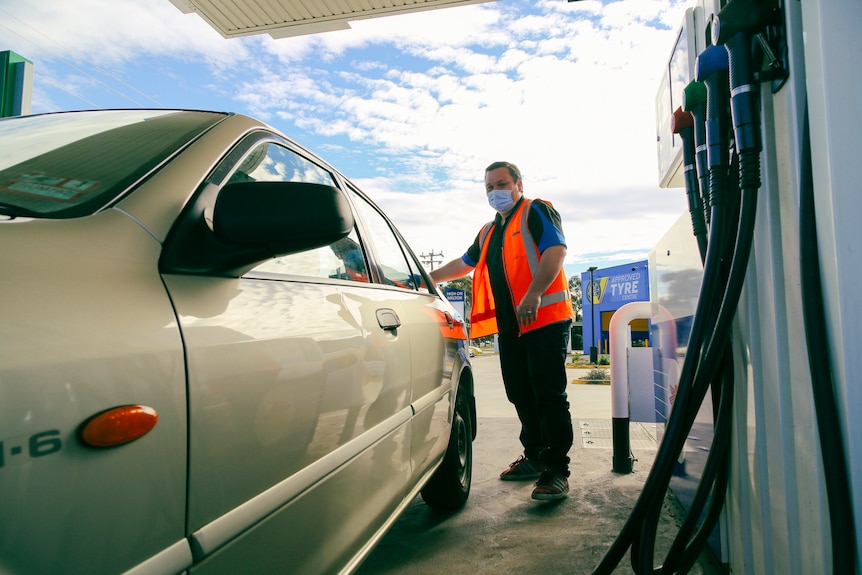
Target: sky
{"points": [[411, 108]]}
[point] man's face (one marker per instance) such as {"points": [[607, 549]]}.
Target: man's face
{"points": [[501, 179]]}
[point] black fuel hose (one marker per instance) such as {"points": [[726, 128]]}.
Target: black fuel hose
{"points": [[836, 475], [711, 490], [656, 482], [655, 487], [711, 69], [639, 530], [714, 355], [666, 455], [746, 125], [734, 26], [690, 538], [683, 124], [747, 141]]}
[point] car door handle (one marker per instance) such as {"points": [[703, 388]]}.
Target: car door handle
{"points": [[388, 319], [449, 319]]}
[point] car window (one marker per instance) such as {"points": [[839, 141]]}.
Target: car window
{"points": [[72, 165], [344, 260], [270, 162], [392, 257]]}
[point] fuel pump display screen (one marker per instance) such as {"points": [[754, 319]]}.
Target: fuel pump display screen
{"points": [[680, 72]]}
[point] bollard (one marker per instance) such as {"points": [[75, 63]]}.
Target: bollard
{"points": [[620, 340], [620, 333]]}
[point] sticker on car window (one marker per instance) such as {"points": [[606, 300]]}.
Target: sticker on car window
{"points": [[53, 187]]}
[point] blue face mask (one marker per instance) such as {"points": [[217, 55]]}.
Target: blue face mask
{"points": [[501, 200]]}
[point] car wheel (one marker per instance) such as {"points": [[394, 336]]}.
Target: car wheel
{"points": [[449, 487]]}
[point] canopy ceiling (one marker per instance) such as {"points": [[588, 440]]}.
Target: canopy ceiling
{"points": [[283, 18]]}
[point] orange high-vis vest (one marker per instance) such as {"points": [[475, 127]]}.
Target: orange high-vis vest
{"points": [[520, 262]]}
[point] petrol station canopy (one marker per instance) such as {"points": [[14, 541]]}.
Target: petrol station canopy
{"points": [[284, 18]]}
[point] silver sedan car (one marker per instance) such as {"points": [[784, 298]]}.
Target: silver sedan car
{"points": [[218, 355]]}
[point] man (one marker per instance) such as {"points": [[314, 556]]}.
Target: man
{"points": [[520, 292]]}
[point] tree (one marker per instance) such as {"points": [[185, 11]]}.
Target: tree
{"points": [[577, 295]]}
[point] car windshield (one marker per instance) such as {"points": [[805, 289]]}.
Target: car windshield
{"points": [[73, 164]]}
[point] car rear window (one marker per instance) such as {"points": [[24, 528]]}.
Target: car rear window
{"points": [[73, 164]]}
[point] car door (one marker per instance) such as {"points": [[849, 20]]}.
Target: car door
{"points": [[434, 335], [298, 393]]}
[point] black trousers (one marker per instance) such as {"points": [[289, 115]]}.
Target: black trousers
{"points": [[534, 374]]}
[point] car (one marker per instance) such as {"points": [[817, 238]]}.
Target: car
{"points": [[219, 355]]}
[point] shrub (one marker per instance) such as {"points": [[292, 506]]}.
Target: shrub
{"points": [[604, 360], [577, 341], [597, 376]]}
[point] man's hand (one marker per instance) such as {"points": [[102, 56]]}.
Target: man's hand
{"points": [[529, 309], [549, 266]]}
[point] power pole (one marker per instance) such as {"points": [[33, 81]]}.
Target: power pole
{"points": [[430, 259]]}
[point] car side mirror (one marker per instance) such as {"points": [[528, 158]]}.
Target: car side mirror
{"points": [[250, 222], [286, 217]]}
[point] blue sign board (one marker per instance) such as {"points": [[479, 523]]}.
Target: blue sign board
{"points": [[454, 295], [610, 289], [458, 299]]}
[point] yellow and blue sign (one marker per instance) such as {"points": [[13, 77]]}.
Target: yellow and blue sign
{"points": [[619, 288], [610, 289]]}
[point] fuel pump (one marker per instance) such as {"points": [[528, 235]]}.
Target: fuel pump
{"points": [[778, 514], [731, 223], [640, 529], [712, 70]]}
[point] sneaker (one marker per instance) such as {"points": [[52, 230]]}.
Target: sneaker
{"points": [[551, 485], [521, 469]]}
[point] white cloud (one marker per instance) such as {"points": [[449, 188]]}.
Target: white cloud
{"points": [[109, 31], [580, 123], [566, 91]]}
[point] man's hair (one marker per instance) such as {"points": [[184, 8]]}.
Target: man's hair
{"points": [[513, 169]]}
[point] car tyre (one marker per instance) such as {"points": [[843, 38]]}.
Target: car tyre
{"points": [[449, 487]]}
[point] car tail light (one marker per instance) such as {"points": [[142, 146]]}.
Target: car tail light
{"points": [[118, 426]]}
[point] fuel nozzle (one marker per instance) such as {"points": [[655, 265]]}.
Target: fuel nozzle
{"points": [[694, 102], [735, 27], [682, 123], [711, 69]]}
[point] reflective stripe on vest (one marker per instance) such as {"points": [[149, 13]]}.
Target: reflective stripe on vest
{"points": [[532, 252]]}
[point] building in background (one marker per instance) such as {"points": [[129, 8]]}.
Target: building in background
{"points": [[610, 289], [16, 84]]}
